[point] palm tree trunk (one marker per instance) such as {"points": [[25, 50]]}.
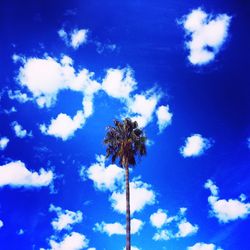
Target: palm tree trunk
{"points": [[128, 237]]}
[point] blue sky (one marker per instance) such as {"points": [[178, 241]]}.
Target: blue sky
{"points": [[69, 68]]}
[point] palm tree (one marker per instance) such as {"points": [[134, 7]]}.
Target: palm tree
{"points": [[125, 142]]}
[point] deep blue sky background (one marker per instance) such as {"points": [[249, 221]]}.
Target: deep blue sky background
{"points": [[212, 100]]}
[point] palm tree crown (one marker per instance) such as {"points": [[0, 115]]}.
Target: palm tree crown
{"points": [[125, 141]]}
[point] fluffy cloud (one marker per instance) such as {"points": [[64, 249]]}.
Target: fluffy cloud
{"points": [[75, 38], [105, 178], [119, 83], [72, 241], [15, 174], [226, 210], [164, 117], [78, 37], [19, 131], [203, 246], [63, 126], [176, 223], [207, 34], [186, 229], [141, 107], [160, 218], [3, 143], [118, 228], [45, 77], [141, 195], [65, 218], [195, 145]]}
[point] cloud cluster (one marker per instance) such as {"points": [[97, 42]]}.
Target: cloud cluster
{"points": [[15, 174], [226, 210], [45, 77], [206, 33], [76, 38], [65, 218], [195, 145], [3, 143], [178, 223], [204, 246], [118, 228]]}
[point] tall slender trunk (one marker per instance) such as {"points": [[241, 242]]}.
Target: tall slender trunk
{"points": [[128, 237]]}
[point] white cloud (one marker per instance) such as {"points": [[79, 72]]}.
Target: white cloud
{"points": [[164, 117], [248, 142], [3, 143], [141, 195], [141, 107], [19, 130], [226, 210], [15, 174], [45, 77], [207, 34], [118, 228], [119, 83], [186, 229], [65, 218], [176, 223], [19, 96], [105, 178], [195, 145], [203, 246], [78, 37], [63, 126], [1, 223], [72, 241], [160, 218], [75, 38]]}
